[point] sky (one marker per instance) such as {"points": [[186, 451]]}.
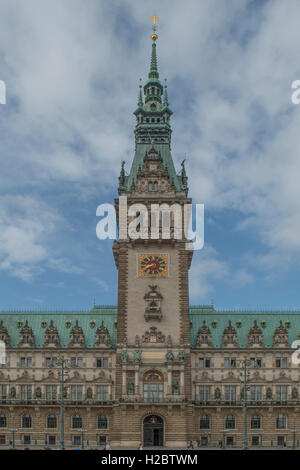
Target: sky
{"points": [[72, 71]]}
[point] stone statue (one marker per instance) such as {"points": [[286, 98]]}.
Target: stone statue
{"points": [[137, 356], [170, 356], [181, 356], [124, 357], [269, 394]]}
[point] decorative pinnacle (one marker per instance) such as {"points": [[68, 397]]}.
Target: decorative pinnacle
{"points": [[140, 100], [154, 19], [166, 101]]}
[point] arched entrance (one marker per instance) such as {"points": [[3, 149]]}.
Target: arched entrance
{"points": [[153, 430]]}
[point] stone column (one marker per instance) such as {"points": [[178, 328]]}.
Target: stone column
{"points": [[182, 380], [169, 384], [124, 370], [136, 380]]}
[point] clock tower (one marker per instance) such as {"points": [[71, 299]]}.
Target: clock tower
{"points": [[153, 325]]}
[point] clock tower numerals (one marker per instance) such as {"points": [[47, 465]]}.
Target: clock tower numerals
{"points": [[153, 265]]}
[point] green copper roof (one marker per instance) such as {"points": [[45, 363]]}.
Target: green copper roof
{"points": [[141, 150], [89, 321], [268, 321]]}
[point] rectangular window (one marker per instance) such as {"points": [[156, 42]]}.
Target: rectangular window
{"points": [[153, 392], [130, 387], [280, 440], [76, 392], [2, 440], [256, 392], [52, 440], [102, 392], [255, 362], [51, 361], [51, 392], [230, 392], [102, 362], [281, 392], [229, 440], [76, 440], [26, 361], [281, 362], [102, 440], [204, 362], [204, 392], [255, 440], [26, 440], [26, 392], [229, 362], [3, 391]]}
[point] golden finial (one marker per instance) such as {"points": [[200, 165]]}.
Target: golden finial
{"points": [[154, 19]]}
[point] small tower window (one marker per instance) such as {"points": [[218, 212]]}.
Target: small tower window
{"points": [[150, 186]]}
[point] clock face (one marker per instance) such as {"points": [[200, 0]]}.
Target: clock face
{"points": [[153, 265]]}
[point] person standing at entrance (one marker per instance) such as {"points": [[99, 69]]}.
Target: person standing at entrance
{"points": [[140, 447]]}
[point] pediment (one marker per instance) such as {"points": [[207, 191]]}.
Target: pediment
{"points": [[50, 378], [76, 378], [231, 379]]}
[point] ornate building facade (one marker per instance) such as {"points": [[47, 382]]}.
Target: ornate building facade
{"points": [[153, 369]]}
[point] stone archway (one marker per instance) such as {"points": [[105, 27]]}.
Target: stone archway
{"points": [[153, 431]]}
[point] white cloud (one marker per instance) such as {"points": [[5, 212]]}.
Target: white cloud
{"points": [[72, 69]]}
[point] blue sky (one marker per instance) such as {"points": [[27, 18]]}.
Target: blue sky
{"points": [[72, 70]]}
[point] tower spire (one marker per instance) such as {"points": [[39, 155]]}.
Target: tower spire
{"points": [[153, 74]]}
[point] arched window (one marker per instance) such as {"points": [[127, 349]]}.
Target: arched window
{"points": [[230, 422], [281, 421], [155, 186], [150, 186], [51, 422], [76, 422], [204, 422], [153, 386], [3, 423], [255, 422], [26, 421], [102, 422]]}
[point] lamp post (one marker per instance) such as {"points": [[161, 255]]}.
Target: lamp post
{"points": [[64, 365], [13, 437], [293, 431], [82, 438], [245, 377]]}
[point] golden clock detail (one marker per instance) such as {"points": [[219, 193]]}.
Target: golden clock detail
{"points": [[153, 265]]}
